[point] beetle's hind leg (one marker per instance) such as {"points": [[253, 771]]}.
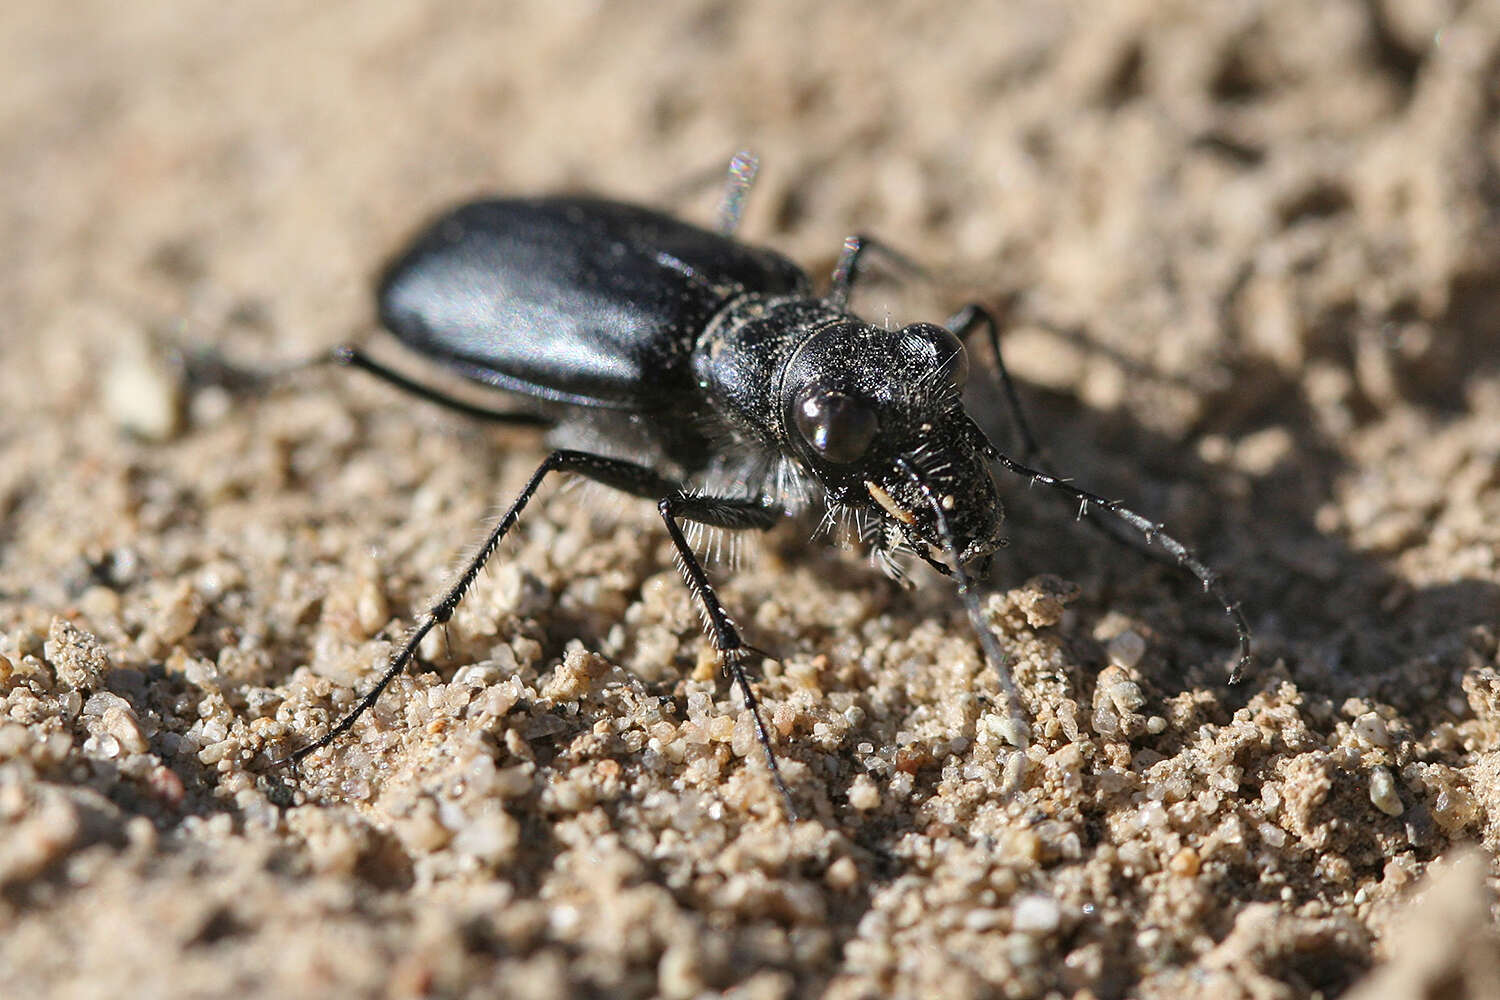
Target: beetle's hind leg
{"points": [[743, 166], [737, 182], [674, 504], [351, 356], [207, 366], [443, 609]]}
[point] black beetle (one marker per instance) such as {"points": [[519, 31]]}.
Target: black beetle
{"points": [[681, 365]]}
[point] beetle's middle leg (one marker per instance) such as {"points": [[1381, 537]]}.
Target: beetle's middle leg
{"points": [[858, 248], [963, 324], [851, 265]]}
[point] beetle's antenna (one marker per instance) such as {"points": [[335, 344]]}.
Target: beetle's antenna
{"points": [[1152, 531], [1020, 734]]}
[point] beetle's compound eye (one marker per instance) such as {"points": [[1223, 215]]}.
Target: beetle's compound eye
{"points": [[839, 427], [952, 357]]}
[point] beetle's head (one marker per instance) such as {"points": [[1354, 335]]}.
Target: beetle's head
{"points": [[876, 416]]}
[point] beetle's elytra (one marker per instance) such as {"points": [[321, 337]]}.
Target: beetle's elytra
{"points": [[683, 366]]}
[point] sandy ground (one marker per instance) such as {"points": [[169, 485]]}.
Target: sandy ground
{"points": [[1251, 256]]}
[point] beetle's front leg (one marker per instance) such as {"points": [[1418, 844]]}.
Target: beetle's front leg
{"points": [[734, 514]]}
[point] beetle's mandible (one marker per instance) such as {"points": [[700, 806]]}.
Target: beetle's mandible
{"points": [[683, 366]]}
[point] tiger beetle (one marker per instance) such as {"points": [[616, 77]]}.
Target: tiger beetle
{"points": [[683, 366]]}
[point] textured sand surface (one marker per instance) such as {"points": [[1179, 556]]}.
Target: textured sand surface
{"points": [[1251, 258]]}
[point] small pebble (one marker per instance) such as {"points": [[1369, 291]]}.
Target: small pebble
{"points": [[1371, 729], [1383, 792], [842, 875], [14, 740], [863, 795], [678, 974], [982, 920], [1185, 863], [1126, 649], [490, 839], [123, 724], [1124, 694], [75, 655], [143, 392], [1036, 914], [721, 728], [176, 616], [1008, 729], [370, 606]]}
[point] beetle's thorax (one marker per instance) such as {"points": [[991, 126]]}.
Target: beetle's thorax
{"points": [[740, 358]]}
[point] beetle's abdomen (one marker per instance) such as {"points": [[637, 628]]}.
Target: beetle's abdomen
{"points": [[574, 300]]}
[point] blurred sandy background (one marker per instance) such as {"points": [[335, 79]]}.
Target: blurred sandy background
{"points": [[1251, 252]]}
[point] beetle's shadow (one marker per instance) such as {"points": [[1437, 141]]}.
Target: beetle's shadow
{"points": [[1339, 620]]}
